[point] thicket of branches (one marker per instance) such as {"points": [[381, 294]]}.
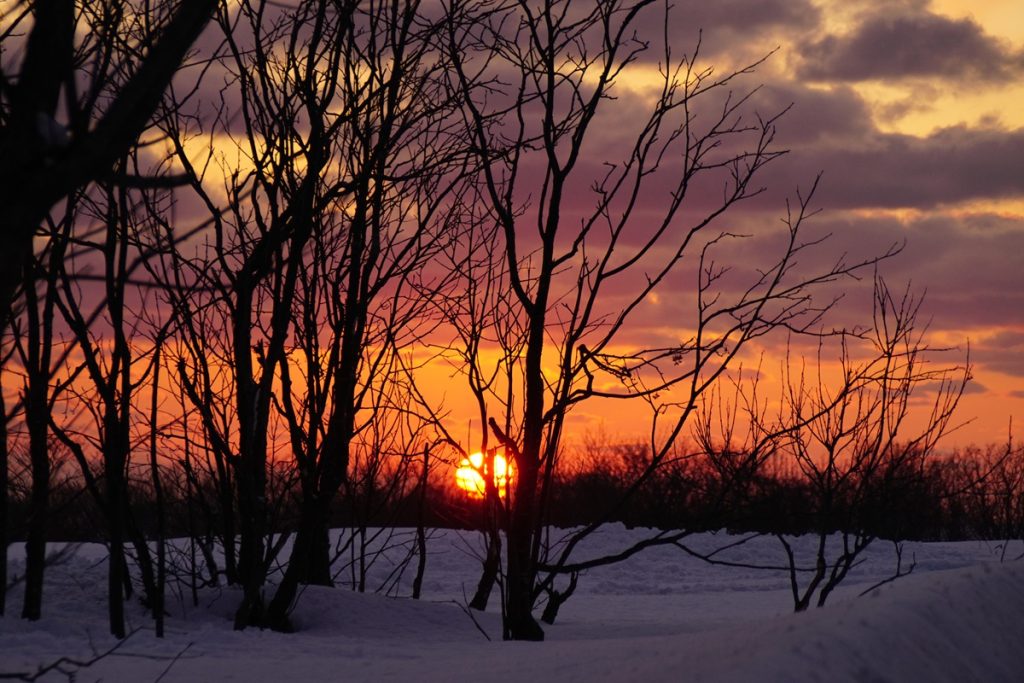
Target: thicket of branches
{"points": [[235, 261], [966, 494]]}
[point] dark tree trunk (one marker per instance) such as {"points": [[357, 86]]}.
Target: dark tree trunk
{"points": [[520, 624], [228, 531], [193, 532], [421, 532], [313, 559], [250, 465], [250, 565], [39, 500], [158, 596], [116, 574], [492, 564], [3, 504], [551, 609], [557, 598], [144, 557], [318, 573], [309, 563], [522, 529]]}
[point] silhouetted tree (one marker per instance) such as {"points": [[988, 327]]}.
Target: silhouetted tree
{"points": [[361, 301], [73, 57], [33, 334], [4, 486], [112, 367], [74, 99], [854, 443], [588, 238], [346, 160]]}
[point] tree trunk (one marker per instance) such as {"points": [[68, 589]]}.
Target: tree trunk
{"points": [[251, 462], [158, 596], [228, 530], [313, 564], [521, 579], [116, 574], [421, 532], [492, 563], [309, 563], [557, 598], [147, 571], [3, 504], [519, 621], [251, 504], [39, 501]]}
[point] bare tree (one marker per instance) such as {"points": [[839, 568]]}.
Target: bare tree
{"points": [[109, 88], [349, 159], [477, 310], [78, 85], [362, 302], [112, 366], [282, 69], [4, 488], [535, 80], [382, 472], [33, 335], [987, 492], [856, 442]]}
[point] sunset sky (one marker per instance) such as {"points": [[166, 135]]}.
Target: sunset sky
{"points": [[914, 113]]}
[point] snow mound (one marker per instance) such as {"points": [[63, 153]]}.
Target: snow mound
{"points": [[960, 625], [963, 624]]}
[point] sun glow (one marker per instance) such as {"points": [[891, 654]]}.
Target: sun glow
{"points": [[472, 470]]}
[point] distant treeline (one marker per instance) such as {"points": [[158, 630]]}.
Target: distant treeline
{"points": [[974, 493]]}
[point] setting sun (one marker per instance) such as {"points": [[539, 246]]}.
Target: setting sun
{"points": [[470, 475]]}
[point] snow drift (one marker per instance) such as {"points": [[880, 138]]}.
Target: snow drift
{"points": [[658, 617]]}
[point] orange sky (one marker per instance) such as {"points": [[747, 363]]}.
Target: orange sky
{"points": [[914, 113]]}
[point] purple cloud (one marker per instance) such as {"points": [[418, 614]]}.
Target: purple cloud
{"points": [[1002, 352], [949, 166], [911, 46]]}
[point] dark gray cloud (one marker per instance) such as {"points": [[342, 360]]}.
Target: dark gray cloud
{"points": [[969, 275], [815, 115], [740, 30], [949, 166], [1002, 352], [862, 167], [833, 131], [966, 268], [926, 392], [915, 45], [747, 15]]}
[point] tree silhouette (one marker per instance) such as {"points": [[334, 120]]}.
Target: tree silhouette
{"points": [[590, 236], [854, 444], [109, 95]]}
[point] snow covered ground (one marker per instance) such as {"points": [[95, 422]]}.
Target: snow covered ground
{"points": [[660, 616]]}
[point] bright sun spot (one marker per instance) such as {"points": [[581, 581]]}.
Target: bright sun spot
{"points": [[470, 475]]}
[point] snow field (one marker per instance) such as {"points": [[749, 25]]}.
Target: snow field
{"points": [[659, 616]]}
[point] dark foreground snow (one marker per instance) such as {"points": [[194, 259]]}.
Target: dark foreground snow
{"points": [[660, 616]]}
